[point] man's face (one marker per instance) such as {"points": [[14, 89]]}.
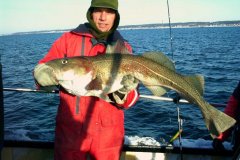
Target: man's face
{"points": [[103, 18]]}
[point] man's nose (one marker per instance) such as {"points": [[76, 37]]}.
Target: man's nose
{"points": [[103, 15]]}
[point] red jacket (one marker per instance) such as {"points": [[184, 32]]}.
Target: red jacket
{"points": [[233, 110], [77, 115]]}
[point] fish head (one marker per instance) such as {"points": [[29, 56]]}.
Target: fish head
{"points": [[44, 75], [65, 70]]}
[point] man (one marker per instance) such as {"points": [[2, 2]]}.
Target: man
{"points": [[233, 110], [89, 126]]}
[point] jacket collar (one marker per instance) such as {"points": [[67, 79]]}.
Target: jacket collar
{"points": [[82, 30]]}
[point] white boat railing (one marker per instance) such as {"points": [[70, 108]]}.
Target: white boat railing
{"points": [[161, 98]]}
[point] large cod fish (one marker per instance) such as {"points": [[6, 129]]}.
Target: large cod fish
{"points": [[103, 74]]}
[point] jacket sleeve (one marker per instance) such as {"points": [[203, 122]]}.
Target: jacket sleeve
{"points": [[232, 110], [128, 46], [131, 99]]}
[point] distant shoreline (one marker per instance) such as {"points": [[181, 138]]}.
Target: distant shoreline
{"points": [[184, 25], [150, 26]]}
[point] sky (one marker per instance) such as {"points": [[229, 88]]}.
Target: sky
{"points": [[37, 15]]}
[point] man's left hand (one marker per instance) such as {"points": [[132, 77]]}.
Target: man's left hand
{"points": [[129, 83]]}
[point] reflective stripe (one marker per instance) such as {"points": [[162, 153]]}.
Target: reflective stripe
{"points": [[83, 46], [77, 104], [82, 54]]}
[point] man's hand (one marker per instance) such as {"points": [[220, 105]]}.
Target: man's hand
{"points": [[129, 83]]}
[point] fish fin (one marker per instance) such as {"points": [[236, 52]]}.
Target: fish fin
{"points": [[157, 90], [197, 81], [160, 58], [95, 84], [117, 47], [217, 121]]}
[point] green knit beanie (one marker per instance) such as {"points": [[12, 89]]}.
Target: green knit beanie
{"points": [[112, 4]]}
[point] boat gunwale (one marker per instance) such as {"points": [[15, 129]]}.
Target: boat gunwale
{"points": [[126, 148]]}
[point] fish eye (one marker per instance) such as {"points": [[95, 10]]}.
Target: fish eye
{"points": [[64, 61]]}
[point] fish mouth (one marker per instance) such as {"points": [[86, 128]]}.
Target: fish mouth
{"points": [[45, 75]]}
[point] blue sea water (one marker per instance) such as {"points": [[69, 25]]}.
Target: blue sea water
{"points": [[212, 52]]}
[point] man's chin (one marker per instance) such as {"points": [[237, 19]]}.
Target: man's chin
{"points": [[103, 29]]}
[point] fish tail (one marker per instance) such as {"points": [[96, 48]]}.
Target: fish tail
{"points": [[217, 121]]}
